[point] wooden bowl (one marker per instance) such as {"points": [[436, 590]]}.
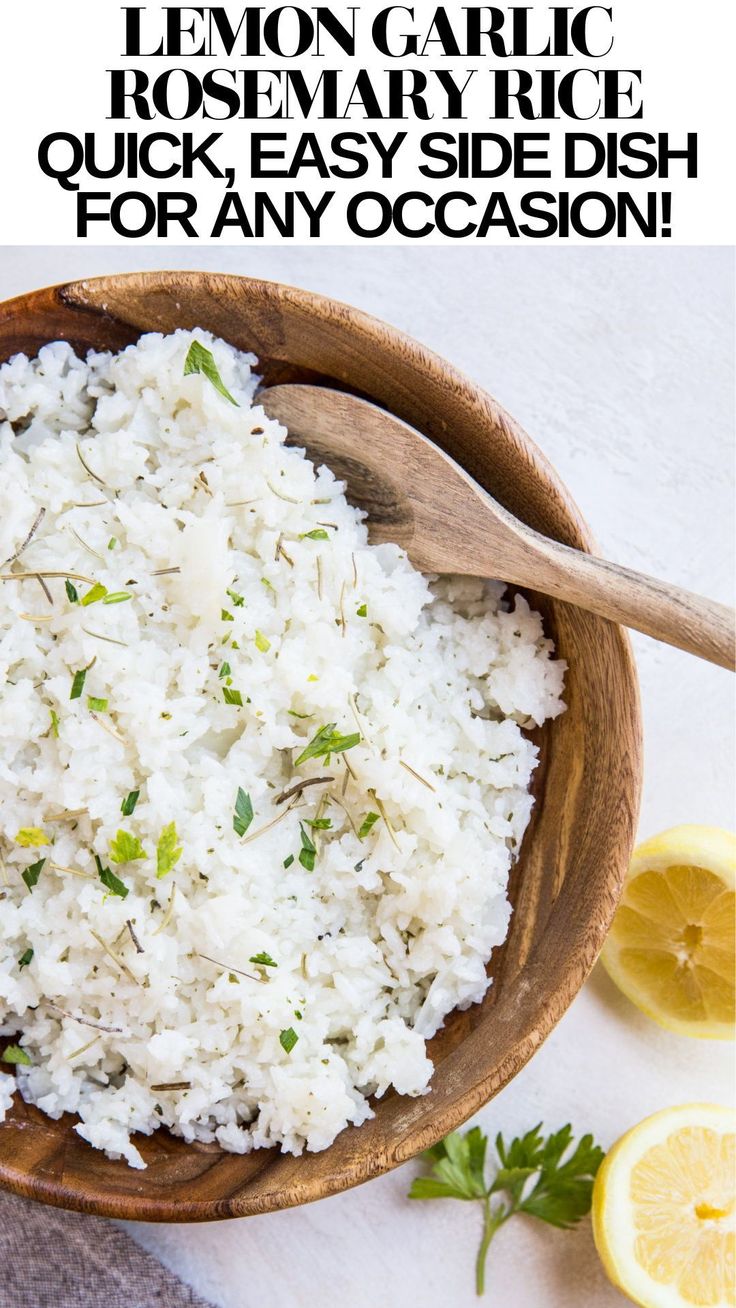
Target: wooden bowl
{"points": [[566, 884]]}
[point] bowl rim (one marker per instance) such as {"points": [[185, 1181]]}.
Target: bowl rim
{"points": [[587, 947]]}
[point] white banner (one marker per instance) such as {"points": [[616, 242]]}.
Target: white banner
{"points": [[367, 123]]}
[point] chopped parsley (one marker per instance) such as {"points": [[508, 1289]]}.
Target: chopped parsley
{"points": [[200, 359], [129, 803], [95, 593], [126, 848], [112, 543], [369, 821], [319, 533], [96, 705], [54, 728], [231, 696], [308, 851], [14, 1054], [288, 861], [108, 878], [287, 1039], [225, 671], [32, 873], [319, 824], [238, 600], [262, 642], [78, 684], [72, 592], [263, 960], [327, 741], [225, 616], [243, 815], [362, 611], [31, 838], [116, 597], [167, 853], [25, 958]]}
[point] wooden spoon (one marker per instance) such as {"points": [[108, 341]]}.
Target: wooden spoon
{"points": [[417, 496]]}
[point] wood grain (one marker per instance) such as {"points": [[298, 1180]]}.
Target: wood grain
{"points": [[568, 879], [417, 496]]}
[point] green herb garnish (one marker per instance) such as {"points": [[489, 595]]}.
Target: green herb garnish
{"points": [[31, 838], [112, 543], [126, 848], [308, 851], [238, 600], [116, 597], [263, 960], [319, 824], [287, 1039], [129, 803], [32, 873], [262, 642], [289, 860], [14, 1054], [369, 821], [167, 853], [243, 815], [362, 611], [225, 671], [95, 593], [96, 705], [231, 696], [54, 728], [319, 533], [78, 684], [293, 714], [72, 592], [327, 741], [200, 359], [532, 1177], [108, 878], [225, 616], [25, 958]]}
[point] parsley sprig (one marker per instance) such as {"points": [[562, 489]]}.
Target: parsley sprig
{"points": [[544, 1178]]}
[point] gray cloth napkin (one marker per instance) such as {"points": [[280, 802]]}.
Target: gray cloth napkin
{"points": [[54, 1259]]}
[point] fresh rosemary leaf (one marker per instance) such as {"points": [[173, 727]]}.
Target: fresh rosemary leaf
{"points": [[95, 593], [287, 1039], [369, 821], [31, 838], [200, 359], [308, 851], [243, 815], [14, 1054], [327, 741], [31, 874], [128, 805]]}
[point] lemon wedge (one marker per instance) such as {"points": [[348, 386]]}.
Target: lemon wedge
{"points": [[671, 948], [664, 1209]]}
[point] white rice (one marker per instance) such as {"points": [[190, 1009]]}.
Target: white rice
{"points": [[388, 933]]}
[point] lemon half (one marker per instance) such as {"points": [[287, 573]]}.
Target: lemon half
{"points": [[664, 1209], [671, 948]]}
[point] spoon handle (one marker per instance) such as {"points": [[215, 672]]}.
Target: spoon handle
{"points": [[668, 613]]}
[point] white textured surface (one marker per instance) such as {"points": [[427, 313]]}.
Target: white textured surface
{"points": [[619, 363]]}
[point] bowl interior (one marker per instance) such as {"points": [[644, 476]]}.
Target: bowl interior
{"points": [[567, 880]]}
